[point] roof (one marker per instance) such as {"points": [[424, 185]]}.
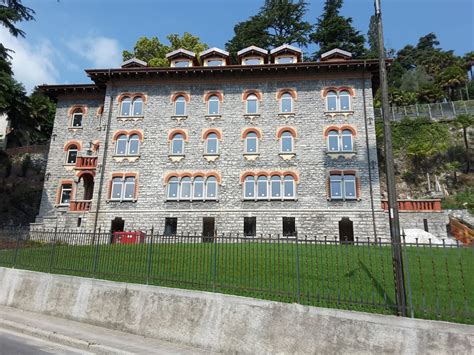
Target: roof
{"points": [[286, 48], [213, 51], [54, 90], [181, 52], [336, 52], [252, 49], [134, 62]]}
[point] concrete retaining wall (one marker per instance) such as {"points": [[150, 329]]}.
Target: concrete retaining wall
{"points": [[227, 323]]}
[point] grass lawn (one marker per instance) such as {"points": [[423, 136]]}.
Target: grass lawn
{"points": [[439, 281]]}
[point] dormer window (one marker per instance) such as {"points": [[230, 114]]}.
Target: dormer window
{"points": [[214, 57], [286, 54], [252, 55], [181, 58], [214, 62], [252, 61], [285, 60], [181, 63]]}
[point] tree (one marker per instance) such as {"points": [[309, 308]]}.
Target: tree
{"points": [[335, 31], [429, 93], [372, 38], [463, 122], [451, 78], [277, 22], [413, 79], [11, 12], [152, 51]]}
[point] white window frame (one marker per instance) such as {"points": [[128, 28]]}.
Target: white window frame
{"points": [[130, 101], [173, 140], [252, 183], [331, 94], [293, 187], [344, 93], [262, 179], [181, 184], [247, 138], [279, 58], [125, 183], [288, 97], [171, 181], [211, 180], [260, 61], [69, 150], [133, 137], [251, 97], [208, 138], [202, 182], [343, 182], [292, 138], [276, 180], [342, 135], [61, 202], [77, 112], [178, 99], [135, 100], [125, 139], [216, 99]]}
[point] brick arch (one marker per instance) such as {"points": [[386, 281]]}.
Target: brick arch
{"points": [[217, 131], [325, 91], [256, 92], [169, 175], [216, 175], [219, 94], [137, 132], [176, 131], [251, 129], [186, 174], [246, 174], [68, 144], [292, 92], [330, 128], [80, 174], [347, 88], [186, 96], [132, 96], [350, 128], [119, 133], [73, 108], [292, 130], [292, 173]]}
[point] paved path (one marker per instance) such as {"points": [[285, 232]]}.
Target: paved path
{"points": [[25, 333]]}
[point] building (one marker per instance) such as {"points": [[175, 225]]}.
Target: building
{"points": [[272, 145], [4, 130]]}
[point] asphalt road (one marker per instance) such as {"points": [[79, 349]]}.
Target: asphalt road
{"points": [[13, 343]]}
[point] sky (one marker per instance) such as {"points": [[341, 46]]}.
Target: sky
{"points": [[69, 36]]}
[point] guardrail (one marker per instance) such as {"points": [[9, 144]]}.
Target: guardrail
{"points": [[416, 205], [86, 162], [78, 206]]}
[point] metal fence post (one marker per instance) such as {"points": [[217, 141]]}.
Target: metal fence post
{"points": [[150, 246], [407, 269], [16, 248], [214, 257], [52, 249], [298, 291], [96, 255]]}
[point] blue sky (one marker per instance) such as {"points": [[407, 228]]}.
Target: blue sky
{"points": [[71, 35]]}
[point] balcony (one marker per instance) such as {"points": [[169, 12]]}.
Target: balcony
{"points": [[80, 206], [86, 163], [433, 205]]}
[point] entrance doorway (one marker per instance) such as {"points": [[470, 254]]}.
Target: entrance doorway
{"points": [[346, 230], [117, 225], [208, 229], [88, 181]]}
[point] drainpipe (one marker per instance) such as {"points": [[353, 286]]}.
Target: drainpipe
{"points": [[104, 155], [368, 151]]}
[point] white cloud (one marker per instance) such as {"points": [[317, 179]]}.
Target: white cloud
{"points": [[101, 52], [32, 63]]}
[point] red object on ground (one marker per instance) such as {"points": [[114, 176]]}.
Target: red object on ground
{"points": [[129, 237]]}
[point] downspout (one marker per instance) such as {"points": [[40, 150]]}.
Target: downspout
{"points": [[104, 155], [368, 151]]}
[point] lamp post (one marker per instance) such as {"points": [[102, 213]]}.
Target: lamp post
{"points": [[390, 173]]}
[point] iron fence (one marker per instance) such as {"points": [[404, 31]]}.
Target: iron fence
{"points": [[323, 272]]}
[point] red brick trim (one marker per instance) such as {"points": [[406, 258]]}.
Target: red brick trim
{"points": [[68, 144], [292, 92], [191, 174], [100, 111], [219, 94], [325, 91], [73, 108], [292, 130], [81, 173], [186, 96], [339, 129], [173, 132], [251, 129], [268, 173], [119, 133], [128, 133], [350, 128], [246, 94], [132, 96], [217, 131]]}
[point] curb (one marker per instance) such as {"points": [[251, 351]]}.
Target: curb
{"points": [[60, 338]]}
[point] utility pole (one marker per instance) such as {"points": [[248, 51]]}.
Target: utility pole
{"points": [[390, 172]]}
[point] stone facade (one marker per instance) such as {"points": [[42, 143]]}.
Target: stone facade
{"points": [[315, 214]]}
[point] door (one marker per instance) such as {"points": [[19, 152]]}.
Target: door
{"points": [[117, 225], [208, 229], [346, 230]]}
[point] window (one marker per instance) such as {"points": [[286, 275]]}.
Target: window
{"points": [[177, 144], [180, 106], [171, 226], [252, 61], [275, 187], [71, 155], [182, 63], [127, 145], [251, 143], [285, 60], [338, 101], [131, 107], [343, 186], [286, 103], [213, 105], [123, 188], [340, 141], [286, 142], [192, 189], [66, 193], [252, 104], [212, 144], [250, 226], [289, 227], [214, 62], [77, 118]]}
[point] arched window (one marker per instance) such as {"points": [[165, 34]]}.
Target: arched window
{"points": [[186, 188], [71, 155], [249, 187], [126, 106], [262, 187], [340, 141], [289, 187], [252, 104], [344, 100], [177, 144], [213, 105], [212, 144], [198, 190], [77, 116], [331, 100], [137, 107], [251, 143], [286, 103], [173, 188], [121, 145], [180, 106], [211, 188], [275, 184], [134, 144], [286, 141]]}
